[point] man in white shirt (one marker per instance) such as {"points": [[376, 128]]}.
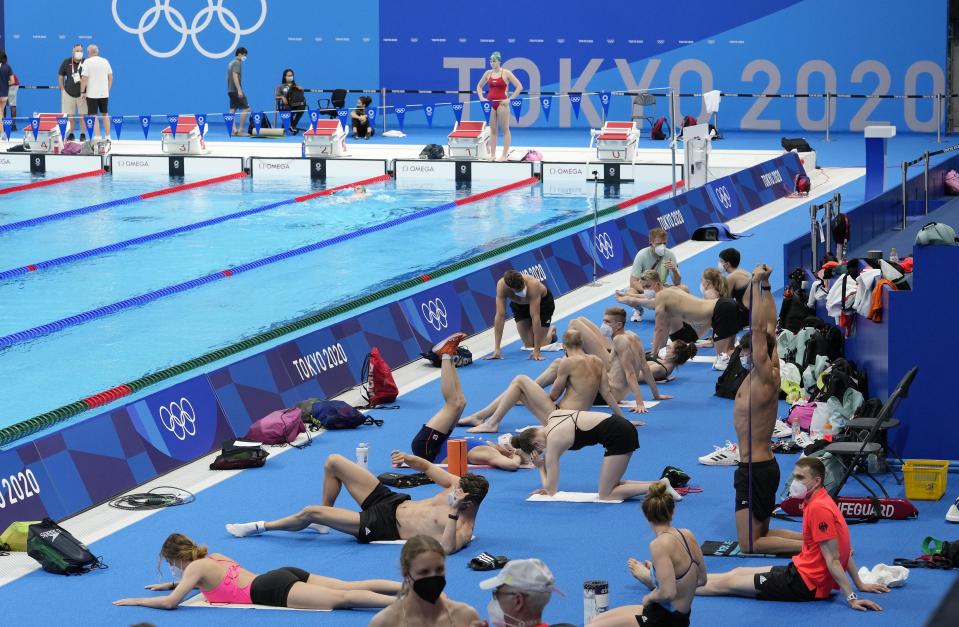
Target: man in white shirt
{"points": [[95, 83]]}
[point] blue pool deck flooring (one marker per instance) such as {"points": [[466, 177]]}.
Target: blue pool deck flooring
{"points": [[579, 542]]}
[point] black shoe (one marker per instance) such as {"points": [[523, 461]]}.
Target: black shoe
{"points": [[70, 137], [83, 137]]}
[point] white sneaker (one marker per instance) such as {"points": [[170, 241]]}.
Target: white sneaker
{"points": [[637, 315], [722, 361], [803, 439], [782, 430], [953, 514], [725, 456]]}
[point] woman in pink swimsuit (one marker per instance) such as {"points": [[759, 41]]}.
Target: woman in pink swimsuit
{"points": [[221, 580], [496, 79]]}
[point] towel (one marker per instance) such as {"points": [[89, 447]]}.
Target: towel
{"points": [[199, 600], [892, 576], [571, 497], [549, 348], [401, 541]]}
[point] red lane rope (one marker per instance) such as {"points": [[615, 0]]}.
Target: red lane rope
{"points": [[54, 181], [493, 192], [326, 192], [98, 400], [183, 188], [656, 192]]}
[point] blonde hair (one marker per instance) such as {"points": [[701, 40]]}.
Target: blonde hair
{"points": [[658, 504], [616, 312], [656, 234], [717, 280], [572, 338], [179, 548], [415, 546], [651, 275]]}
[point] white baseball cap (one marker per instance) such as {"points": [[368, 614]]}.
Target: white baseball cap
{"points": [[531, 575]]}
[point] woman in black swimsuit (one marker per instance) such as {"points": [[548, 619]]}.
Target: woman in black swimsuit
{"points": [[567, 430], [674, 355], [672, 577]]}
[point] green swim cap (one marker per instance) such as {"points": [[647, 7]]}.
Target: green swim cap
{"points": [[495, 56]]}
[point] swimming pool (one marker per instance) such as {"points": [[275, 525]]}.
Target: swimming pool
{"points": [[61, 367]]}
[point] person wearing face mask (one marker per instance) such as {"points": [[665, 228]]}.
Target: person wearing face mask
{"points": [[736, 278], [71, 104], [654, 257], [676, 570], [234, 90], [623, 353], [572, 430], [521, 592], [385, 515], [222, 580], [421, 602], [824, 564], [289, 96], [578, 381], [532, 306]]}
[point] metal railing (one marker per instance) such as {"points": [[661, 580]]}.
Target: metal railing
{"points": [[830, 209], [924, 159]]}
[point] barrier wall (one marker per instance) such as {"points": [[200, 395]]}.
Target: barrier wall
{"points": [[63, 472], [315, 168], [748, 47], [916, 330]]}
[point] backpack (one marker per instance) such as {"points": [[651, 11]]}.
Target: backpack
{"points": [[802, 184], [14, 538], [234, 457], [657, 132], [58, 551], [840, 229], [732, 377], [264, 123], [936, 234], [841, 376], [463, 357], [951, 183], [401, 480], [432, 151], [793, 310], [827, 340], [688, 120], [379, 386], [279, 427], [340, 415]]}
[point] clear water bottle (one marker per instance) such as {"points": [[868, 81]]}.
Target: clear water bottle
{"points": [[363, 455], [893, 255], [872, 464], [796, 429]]}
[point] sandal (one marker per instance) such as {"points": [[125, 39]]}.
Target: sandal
{"points": [[485, 561]]}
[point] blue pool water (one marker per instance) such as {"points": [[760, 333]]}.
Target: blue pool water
{"points": [[86, 359]]}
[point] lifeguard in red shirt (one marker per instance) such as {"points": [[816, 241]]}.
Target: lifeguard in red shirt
{"points": [[824, 564]]}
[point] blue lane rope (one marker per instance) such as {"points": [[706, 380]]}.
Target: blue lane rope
{"points": [[87, 316], [63, 215], [93, 252]]}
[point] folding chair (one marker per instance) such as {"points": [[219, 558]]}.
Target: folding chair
{"points": [[337, 100], [852, 455], [640, 110]]}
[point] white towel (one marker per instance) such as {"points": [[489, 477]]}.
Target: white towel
{"points": [[571, 497], [394, 133], [704, 359], [401, 541], [892, 576], [200, 601], [555, 347], [628, 404]]}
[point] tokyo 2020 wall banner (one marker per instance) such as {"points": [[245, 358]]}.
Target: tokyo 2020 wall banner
{"points": [[172, 55]]}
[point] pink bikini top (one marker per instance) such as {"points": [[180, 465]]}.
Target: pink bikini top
{"points": [[227, 591]]}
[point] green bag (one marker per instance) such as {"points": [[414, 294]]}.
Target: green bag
{"points": [[936, 233], [15, 536]]}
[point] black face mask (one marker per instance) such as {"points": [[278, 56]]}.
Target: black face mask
{"points": [[430, 588]]}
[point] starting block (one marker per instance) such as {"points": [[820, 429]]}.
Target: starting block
{"points": [[326, 139], [48, 139], [186, 141], [616, 141], [469, 140]]}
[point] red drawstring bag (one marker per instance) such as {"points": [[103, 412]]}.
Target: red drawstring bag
{"points": [[379, 386]]}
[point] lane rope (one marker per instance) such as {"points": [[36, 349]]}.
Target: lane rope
{"points": [[53, 181]]}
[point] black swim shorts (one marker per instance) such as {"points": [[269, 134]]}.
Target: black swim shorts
{"points": [[782, 583], [546, 308], [655, 615], [765, 485], [378, 515], [273, 588], [687, 334], [729, 317], [428, 442]]}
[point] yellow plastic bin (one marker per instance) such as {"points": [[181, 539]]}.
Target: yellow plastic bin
{"points": [[925, 478]]}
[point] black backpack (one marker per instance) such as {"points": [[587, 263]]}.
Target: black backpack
{"points": [[58, 551], [233, 457], [657, 132], [432, 151], [732, 377], [841, 376], [827, 340]]}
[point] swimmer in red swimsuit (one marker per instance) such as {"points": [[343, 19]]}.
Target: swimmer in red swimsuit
{"points": [[496, 79]]}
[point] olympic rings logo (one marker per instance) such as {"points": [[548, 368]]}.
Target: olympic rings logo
{"points": [[604, 244], [434, 312], [724, 197], [200, 22], [179, 418]]}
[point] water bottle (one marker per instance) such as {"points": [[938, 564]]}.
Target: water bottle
{"points": [[893, 255], [872, 463], [796, 429], [363, 455]]}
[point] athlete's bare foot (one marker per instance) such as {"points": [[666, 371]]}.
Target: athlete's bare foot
{"points": [[641, 571], [485, 427], [637, 423], [470, 421]]}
